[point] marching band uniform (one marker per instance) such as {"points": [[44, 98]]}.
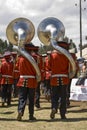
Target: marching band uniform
{"points": [[41, 65], [59, 65], [1, 59], [37, 58], [43, 73], [47, 76], [27, 84], [15, 74], [7, 78]]}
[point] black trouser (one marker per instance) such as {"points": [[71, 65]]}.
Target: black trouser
{"points": [[68, 89], [24, 93], [59, 92], [6, 91], [15, 88], [48, 85], [37, 95]]}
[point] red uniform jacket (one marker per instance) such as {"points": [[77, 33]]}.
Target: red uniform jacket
{"points": [[16, 71], [41, 65], [59, 66], [47, 68], [6, 71], [27, 72], [42, 68]]}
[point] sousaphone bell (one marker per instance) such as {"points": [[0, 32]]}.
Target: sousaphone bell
{"points": [[20, 31]]}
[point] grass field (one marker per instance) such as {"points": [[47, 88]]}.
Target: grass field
{"points": [[76, 117]]}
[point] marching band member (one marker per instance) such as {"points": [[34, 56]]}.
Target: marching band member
{"points": [[15, 74], [47, 76], [1, 59], [41, 64], [37, 58], [27, 84], [59, 65], [7, 78], [43, 73]]}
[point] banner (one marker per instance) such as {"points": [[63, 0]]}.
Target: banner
{"points": [[78, 92]]}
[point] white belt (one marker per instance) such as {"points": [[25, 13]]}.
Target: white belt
{"points": [[7, 76], [48, 71], [59, 75], [16, 70], [27, 76]]}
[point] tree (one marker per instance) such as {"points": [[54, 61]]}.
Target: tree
{"points": [[4, 45]]}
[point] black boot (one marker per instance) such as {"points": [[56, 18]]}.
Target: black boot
{"points": [[53, 112], [19, 117], [32, 118], [63, 117]]}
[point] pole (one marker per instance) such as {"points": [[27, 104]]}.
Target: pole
{"points": [[80, 6]]}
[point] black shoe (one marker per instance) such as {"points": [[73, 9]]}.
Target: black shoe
{"points": [[63, 117], [8, 104], [37, 105], [32, 118], [52, 115], [19, 117], [68, 104], [3, 104]]}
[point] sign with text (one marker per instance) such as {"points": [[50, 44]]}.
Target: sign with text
{"points": [[78, 92]]}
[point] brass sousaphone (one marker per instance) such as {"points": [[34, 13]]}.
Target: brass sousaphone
{"points": [[19, 32], [50, 31]]}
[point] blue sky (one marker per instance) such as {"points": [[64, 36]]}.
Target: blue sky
{"points": [[37, 10]]}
